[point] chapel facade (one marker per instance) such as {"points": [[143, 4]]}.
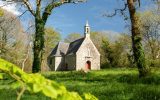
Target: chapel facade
{"points": [[80, 54]]}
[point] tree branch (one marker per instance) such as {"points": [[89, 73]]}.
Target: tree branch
{"points": [[6, 4], [49, 9], [54, 4], [116, 11], [19, 15], [29, 28], [27, 4], [38, 9]]}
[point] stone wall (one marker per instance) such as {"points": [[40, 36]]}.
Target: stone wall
{"points": [[87, 52]]}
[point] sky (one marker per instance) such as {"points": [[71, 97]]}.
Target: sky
{"points": [[10, 8], [71, 18]]}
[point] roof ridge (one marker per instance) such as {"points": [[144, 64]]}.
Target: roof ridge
{"points": [[63, 48], [58, 45], [77, 39], [74, 46]]}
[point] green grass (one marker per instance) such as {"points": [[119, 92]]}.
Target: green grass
{"points": [[108, 84]]}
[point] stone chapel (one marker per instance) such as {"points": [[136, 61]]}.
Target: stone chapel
{"points": [[80, 54]]}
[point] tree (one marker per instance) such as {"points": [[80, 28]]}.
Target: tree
{"points": [[150, 28], [41, 13], [73, 36], [52, 37], [1, 12], [150, 22], [117, 52], [138, 52], [98, 38], [12, 39]]}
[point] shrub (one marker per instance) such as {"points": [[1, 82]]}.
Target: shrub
{"points": [[36, 83]]}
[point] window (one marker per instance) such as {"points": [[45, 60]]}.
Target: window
{"points": [[87, 30]]}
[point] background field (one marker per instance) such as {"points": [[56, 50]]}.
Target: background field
{"points": [[108, 84]]}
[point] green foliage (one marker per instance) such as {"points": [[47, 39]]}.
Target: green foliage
{"points": [[117, 52], [90, 97], [12, 38], [112, 83], [36, 83], [150, 20], [71, 37], [1, 76], [98, 38], [52, 37], [153, 63], [140, 56], [107, 51], [108, 84], [1, 12]]}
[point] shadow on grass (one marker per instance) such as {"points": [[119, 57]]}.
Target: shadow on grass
{"points": [[152, 79], [114, 85], [75, 76], [110, 84], [128, 78], [146, 93]]}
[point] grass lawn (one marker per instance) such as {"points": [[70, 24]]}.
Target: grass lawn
{"points": [[108, 84]]}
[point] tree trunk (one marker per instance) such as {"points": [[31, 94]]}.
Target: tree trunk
{"points": [[138, 51], [38, 44]]}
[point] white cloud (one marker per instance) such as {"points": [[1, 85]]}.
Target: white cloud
{"points": [[10, 8]]}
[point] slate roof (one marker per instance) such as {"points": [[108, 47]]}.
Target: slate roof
{"points": [[62, 48], [74, 46]]}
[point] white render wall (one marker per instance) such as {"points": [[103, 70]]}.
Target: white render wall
{"points": [[59, 62]]}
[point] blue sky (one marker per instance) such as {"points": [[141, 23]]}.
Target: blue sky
{"points": [[71, 18]]}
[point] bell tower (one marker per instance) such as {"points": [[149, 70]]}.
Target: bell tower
{"points": [[87, 30]]}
